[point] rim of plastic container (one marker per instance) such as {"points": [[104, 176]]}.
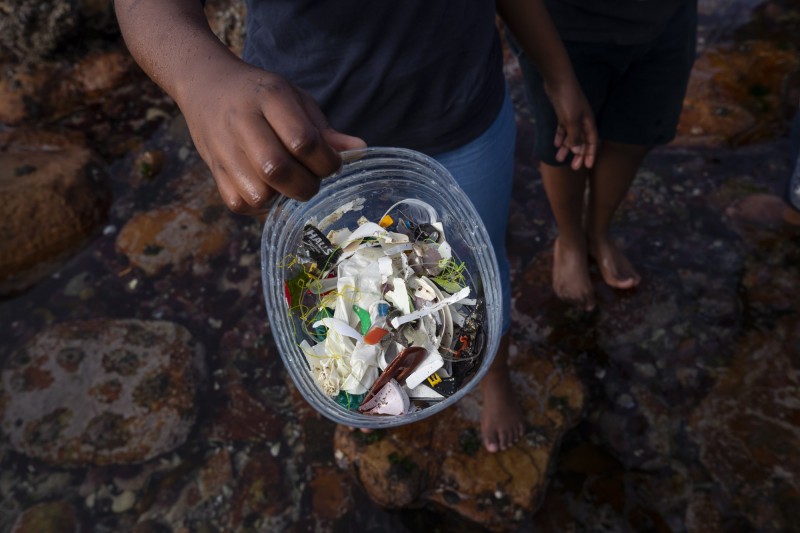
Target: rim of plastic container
{"points": [[276, 242]]}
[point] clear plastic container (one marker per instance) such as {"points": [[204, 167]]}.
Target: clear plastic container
{"points": [[383, 176]]}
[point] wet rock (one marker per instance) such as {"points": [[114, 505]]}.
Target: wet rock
{"points": [[747, 428], [227, 21], [263, 495], [771, 272], [331, 494], [737, 94], [32, 29], [57, 88], [441, 459], [239, 416], [48, 517], [52, 204], [702, 515], [185, 234], [37, 28], [100, 392], [206, 483]]}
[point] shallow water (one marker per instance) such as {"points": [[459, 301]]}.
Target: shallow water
{"points": [[659, 364]]}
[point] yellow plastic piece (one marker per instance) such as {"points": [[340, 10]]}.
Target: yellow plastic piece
{"points": [[386, 221]]}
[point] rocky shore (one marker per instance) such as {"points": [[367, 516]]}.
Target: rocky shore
{"points": [[141, 389]]}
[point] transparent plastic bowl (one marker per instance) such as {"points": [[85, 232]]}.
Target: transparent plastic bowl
{"points": [[383, 176]]}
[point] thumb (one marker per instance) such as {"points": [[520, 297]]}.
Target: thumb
{"points": [[337, 140], [341, 141]]}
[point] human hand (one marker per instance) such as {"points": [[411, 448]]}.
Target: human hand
{"points": [[576, 132], [260, 136]]}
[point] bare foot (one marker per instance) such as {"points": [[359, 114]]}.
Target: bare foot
{"points": [[571, 281], [615, 268], [502, 419], [766, 210]]}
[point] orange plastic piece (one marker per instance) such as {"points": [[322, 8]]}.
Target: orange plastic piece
{"points": [[375, 334]]}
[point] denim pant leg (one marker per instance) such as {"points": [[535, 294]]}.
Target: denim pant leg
{"points": [[484, 168]]}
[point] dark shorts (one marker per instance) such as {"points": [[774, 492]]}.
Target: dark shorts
{"points": [[636, 91]]}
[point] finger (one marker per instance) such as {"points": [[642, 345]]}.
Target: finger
{"points": [[560, 136], [574, 139], [562, 154], [577, 157], [590, 132], [220, 169], [341, 141], [289, 118], [271, 164], [337, 140], [230, 195]]}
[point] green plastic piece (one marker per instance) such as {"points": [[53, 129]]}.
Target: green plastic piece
{"points": [[349, 401], [363, 316]]}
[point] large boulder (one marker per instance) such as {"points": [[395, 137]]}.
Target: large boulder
{"points": [[747, 428], [227, 21], [52, 203], [185, 234], [100, 392], [54, 89], [441, 459], [738, 94], [32, 29]]}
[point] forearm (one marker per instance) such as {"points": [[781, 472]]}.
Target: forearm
{"points": [[172, 42], [534, 31]]}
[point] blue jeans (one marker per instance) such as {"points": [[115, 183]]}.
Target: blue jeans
{"points": [[484, 168]]}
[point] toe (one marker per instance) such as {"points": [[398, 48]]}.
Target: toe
{"points": [[625, 283], [502, 440], [490, 446]]}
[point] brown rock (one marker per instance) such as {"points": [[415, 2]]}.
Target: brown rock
{"points": [[21, 87], [185, 234], [33, 29], [262, 490], [53, 89], [737, 94], [748, 428], [702, 515], [48, 517], [100, 392], [196, 489], [331, 494], [241, 417], [97, 73], [441, 459], [51, 201], [227, 21]]}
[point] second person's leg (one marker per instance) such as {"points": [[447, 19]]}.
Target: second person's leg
{"points": [[610, 179], [566, 193]]}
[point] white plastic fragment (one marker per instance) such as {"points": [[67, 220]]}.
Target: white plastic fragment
{"points": [[423, 392], [390, 400], [370, 229], [399, 297], [356, 204], [428, 309], [428, 366], [339, 326], [422, 290], [432, 216]]}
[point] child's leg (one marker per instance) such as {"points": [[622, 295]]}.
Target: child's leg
{"points": [[566, 190], [611, 177]]}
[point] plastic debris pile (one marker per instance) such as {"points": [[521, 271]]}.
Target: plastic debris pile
{"points": [[389, 322]]}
